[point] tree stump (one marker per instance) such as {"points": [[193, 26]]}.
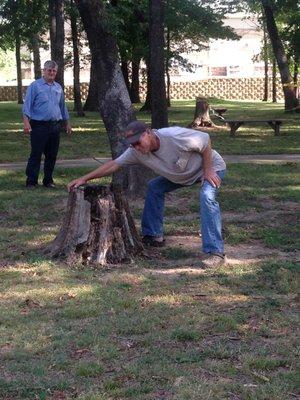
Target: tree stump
{"points": [[98, 228], [201, 116]]}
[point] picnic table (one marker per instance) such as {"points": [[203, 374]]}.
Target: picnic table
{"points": [[236, 123]]}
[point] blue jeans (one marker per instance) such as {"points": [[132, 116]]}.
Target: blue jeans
{"points": [[210, 214], [44, 138]]}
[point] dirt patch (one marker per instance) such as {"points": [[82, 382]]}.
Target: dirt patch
{"points": [[241, 254]]}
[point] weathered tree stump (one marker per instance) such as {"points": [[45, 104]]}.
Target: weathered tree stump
{"points": [[98, 228], [201, 116]]}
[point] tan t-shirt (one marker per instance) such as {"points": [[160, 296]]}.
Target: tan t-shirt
{"points": [[179, 156]]}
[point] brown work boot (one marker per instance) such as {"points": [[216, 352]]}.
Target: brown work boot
{"points": [[214, 260]]}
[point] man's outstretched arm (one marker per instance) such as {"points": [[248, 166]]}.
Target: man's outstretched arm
{"points": [[104, 170]]}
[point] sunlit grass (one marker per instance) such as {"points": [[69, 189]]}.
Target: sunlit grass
{"points": [[90, 138]]}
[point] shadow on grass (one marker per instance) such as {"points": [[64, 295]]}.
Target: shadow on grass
{"points": [[125, 333]]}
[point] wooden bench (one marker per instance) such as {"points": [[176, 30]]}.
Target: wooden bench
{"points": [[235, 124]]}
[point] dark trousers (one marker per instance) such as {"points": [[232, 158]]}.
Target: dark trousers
{"points": [[44, 138]]}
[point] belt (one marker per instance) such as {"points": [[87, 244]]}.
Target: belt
{"points": [[50, 122]]}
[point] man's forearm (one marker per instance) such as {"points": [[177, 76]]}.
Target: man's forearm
{"points": [[26, 123], [207, 158], [104, 170]]}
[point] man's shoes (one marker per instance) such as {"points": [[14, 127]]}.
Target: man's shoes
{"points": [[153, 241], [49, 185], [214, 260], [31, 186]]}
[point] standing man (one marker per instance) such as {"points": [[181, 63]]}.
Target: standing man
{"points": [[43, 111], [182, 157]]}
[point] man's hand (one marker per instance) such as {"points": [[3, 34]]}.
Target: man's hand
{"points": [[68, 129], [75, 183], [27, 127], [212, 177]]}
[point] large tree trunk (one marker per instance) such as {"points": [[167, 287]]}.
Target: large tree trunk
{"points": [[19, 69], [76, 65], [201, 116], [135, 80], [57, 36], [92, 102], [114, 102], [97, 229], [159, 109], [291, 100], [35, 48]]}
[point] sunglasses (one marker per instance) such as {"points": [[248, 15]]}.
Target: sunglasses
{"points": [[135, 143]]}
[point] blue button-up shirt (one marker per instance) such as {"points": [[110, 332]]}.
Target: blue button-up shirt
{"points": [[45, 102]]}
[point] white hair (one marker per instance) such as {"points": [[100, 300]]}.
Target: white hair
{"points": [[50, 64]]}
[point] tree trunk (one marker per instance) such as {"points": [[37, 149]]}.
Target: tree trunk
{"points": [[289, 96], [201, 116], [76, 64], [19, 69], [92, 102], [114, 102], [135, 80], [124, 67], [274, 83], [266, 65], [57, 36], [147, 104], [159, 109], [97, 229], [35, 48]]}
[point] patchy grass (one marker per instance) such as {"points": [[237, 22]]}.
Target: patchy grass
{"points": [[158, 328], [89, 138]]}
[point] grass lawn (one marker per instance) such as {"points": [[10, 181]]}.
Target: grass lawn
{"points": [[90, 139], [159, 328]]}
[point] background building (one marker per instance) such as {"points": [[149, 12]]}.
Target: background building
{"points": [[228, 58]]}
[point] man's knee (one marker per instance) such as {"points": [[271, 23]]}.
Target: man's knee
{"points": [[154, 186]]}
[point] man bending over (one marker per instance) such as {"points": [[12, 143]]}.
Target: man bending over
{"points": [[181, 157]]}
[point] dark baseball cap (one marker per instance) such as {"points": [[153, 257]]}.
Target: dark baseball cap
{"points": [[134, 131]]}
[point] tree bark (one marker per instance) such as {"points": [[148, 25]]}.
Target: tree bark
{"points": [[290, 99], [98, 228], [92, 102], [76, 64], [57, 36], [19, 69], [135, 80], [159, 109], [201, 116], [114, 102], [274, 83]]}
